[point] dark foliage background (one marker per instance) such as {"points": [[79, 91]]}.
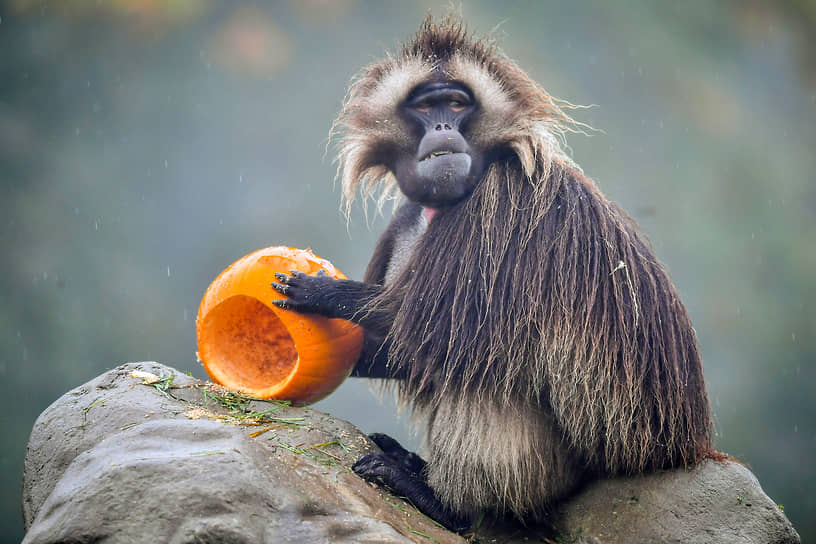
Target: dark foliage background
{"points": [[146, 144]]}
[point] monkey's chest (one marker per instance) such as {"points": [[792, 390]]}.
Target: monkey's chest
{"points": [[404, 244]]}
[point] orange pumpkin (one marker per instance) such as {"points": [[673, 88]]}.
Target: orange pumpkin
{"points": [[248, 344]]}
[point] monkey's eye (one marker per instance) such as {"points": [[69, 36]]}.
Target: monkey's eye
{"points": [[456, 106], [423, 107]]}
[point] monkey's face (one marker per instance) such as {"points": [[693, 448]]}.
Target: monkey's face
{"points": [[438, 166], [434, 119]]}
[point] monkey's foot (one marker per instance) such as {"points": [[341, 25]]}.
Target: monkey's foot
{"points": [[408, 460], [394, 471]]}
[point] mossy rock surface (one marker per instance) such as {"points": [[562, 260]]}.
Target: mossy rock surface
{"points": [[116, 460], [178, 461]]}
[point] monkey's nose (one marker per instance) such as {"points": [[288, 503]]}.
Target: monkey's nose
{"points": [[442, 126]]}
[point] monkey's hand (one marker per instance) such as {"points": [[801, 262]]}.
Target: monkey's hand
{"points": [[308, 294], [401, 471]]}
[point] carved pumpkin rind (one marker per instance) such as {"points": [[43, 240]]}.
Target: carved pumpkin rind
{"points": [[248, 344]]}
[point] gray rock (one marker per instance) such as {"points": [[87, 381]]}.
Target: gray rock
{"points": [[715, 502], [118, 460]]}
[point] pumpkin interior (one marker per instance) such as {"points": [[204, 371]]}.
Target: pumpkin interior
{"points": [[252, 348]]}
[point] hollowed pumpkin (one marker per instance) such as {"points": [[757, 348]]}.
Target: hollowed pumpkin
{"points": [[248, 344]]}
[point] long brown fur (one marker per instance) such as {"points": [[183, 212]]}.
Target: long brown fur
{"points": [[536, 329]]}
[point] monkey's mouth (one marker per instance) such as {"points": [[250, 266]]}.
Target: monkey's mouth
{"points": [[444, 173], [440, 153]]}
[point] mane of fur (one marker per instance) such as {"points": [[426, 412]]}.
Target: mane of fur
{"points": [[535, 289], [544, 292]]}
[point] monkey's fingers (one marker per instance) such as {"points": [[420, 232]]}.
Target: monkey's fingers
{"points": [[409, 461], [377, 468], [294, 304], [297, 298], [286, 282], [389, 446], [286, 278], [281, 288]]}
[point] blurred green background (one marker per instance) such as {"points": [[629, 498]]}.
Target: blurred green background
{"points": [[145, 145]]}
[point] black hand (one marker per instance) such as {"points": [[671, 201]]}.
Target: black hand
{"points": [[305, 293], [330, 297]]}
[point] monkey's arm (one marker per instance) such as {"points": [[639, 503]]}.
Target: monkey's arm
{"points": [[344, 299], [350, 300], [327, 296]]}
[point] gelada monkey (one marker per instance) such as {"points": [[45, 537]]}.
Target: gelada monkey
{"points": [[519, 311]]}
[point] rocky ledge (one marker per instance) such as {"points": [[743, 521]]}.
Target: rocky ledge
{"points": [[144, 453]]}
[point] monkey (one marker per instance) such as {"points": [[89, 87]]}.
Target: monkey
{"points": [[514, 307]]}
